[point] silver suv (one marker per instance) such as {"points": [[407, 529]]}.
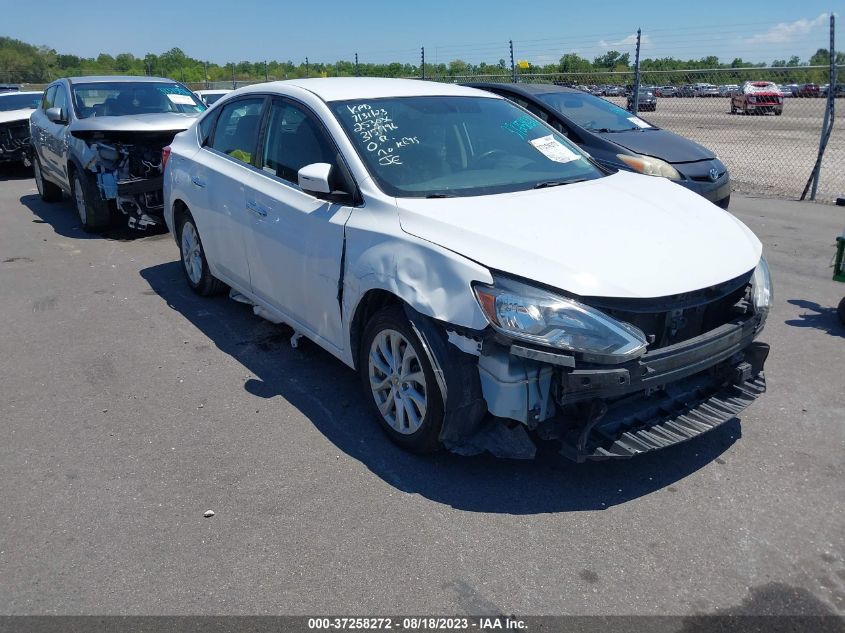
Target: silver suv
{"points": [[100, 139]]}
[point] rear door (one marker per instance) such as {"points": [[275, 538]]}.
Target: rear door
{"points": [[217, 175]]}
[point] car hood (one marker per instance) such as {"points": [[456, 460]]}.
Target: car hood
{"points": [[660, 144], [16, 115], [131, 123], [624, 235]]}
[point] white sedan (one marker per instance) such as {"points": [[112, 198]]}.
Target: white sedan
{"points": [[492, 285]]}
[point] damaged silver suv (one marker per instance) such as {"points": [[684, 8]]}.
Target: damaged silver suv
{"points": [[100, 139]]}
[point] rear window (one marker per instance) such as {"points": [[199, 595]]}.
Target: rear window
{"points": [[133, 98]]}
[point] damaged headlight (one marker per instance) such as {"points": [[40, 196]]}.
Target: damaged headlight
{"points": [[650, 166], [762, 292], [538, 316]]}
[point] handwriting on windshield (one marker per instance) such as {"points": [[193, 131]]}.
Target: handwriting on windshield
{"points": [[521, 126], [376, 129]]}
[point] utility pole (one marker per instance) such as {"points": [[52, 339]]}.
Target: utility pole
{"points": [[422, 63], [829, 112], [234, 83], [513, 66], [266, 76], [356, 65], [635, 101], [307, 71], [205, 66]]}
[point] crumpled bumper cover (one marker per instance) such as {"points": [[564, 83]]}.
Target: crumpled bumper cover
{"points": [[672, 420]]}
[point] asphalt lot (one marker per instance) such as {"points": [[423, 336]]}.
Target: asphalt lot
{"points": [[766, 154], [129, 407]]}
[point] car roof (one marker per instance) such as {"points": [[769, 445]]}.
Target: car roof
{"points": [[102, 79], [214, 91], [342, 88], [526, 89]]}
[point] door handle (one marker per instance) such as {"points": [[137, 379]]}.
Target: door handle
{"points": [[197, 181], [256, 208]]}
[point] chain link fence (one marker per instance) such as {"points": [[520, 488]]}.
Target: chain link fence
{"points": [[767, 153]]}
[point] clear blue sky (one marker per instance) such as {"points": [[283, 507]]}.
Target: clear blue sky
{"points": [[327, 30]]}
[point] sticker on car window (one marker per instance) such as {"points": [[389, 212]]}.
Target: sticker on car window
{"points": [[553, 149], [181, 99], [638, 122], [521, 126]]}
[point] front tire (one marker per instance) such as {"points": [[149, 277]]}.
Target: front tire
{"points": [[93, 211], [48, 191], [399, 382], [194, 263]]}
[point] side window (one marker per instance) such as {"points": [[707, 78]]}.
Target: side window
{"points": [[49, 97], [236, 133], [206, 126], [293, 140], [533, 109], [61, 100]]}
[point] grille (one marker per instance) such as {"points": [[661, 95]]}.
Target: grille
{"points": [[669, 320]]}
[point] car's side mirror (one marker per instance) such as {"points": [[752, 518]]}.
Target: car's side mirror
{"points": [[314, 178], [56, 115]]}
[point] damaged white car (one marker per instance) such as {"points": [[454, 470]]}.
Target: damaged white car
{"points": [[100, 140], [491, 284], [15, 109]]}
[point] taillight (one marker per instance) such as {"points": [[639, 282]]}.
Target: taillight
{"points": [[165, 154]]}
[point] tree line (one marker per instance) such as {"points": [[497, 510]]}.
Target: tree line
{"points": [[25, 63]]}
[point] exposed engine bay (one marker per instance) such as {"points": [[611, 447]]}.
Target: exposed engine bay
{"points": [[128, 171], [14, 142]]}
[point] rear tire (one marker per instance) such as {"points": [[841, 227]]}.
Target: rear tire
{"points": [[194, 263], [48, 191], [399, 382], [93, 211]]}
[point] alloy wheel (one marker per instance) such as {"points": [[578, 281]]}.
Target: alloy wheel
{"points": [[397, 381], [191, 253]]}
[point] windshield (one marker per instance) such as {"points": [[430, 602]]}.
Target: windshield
{"points": [[458, 146], [592, 113], [121, 98], [17, 101]]}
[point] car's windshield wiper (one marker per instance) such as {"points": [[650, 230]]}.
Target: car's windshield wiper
{"points": [[556, 183], [440, 195]]}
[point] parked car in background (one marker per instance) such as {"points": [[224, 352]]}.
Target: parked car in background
{"points": [[454, 250], [705, 90], [809, 90], [618, 140], [785, 90], [838, 92], [9, 88], [646, 102], [728, 90], [687, 90], [665, 91], [209, 97], [758, 97], [100, 138], [15, 108], [614, 91]]}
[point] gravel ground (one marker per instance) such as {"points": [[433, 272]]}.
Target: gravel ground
{"points": [[129, 407]]}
